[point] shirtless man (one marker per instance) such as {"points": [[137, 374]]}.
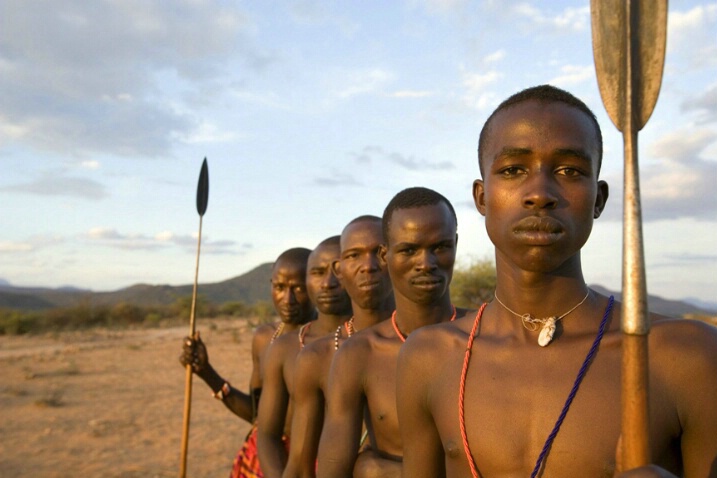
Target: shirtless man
{"points": [[419, 231], [275, 410], [291, 302], [369, 288], [539, 156]]}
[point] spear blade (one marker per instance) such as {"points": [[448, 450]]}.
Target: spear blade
{"points": [[203, 189]]}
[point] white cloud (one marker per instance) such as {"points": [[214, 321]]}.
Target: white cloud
{"points": [[494, 57], [411, 94], [10, 246], [477, 94], [364, 82], [573, 75], [691, 36], [569, 20], [110, 237]]}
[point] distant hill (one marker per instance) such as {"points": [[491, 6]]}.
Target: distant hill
{"points": [[248, 288], [671, 308]]}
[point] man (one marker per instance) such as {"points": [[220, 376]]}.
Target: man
{"points": [[516, 390], [369, 287], [419, 230], [292, 303], [275, 410]]}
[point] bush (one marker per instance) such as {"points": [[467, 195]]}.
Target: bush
{"points": [[473, 283]]}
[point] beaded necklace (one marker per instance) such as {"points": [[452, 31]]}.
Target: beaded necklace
{"points": [[277, 332], [564, 411], [349, 325], [398, 331], [302, 333]]}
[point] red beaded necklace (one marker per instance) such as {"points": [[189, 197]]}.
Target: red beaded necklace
{"points": [[398, 331], [302, 333], [277, 332], [349, 326]]}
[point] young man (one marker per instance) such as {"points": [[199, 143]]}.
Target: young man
{"points": [[369, 288], [292, 303], [275, 410], [419, 230], [489, 395]]}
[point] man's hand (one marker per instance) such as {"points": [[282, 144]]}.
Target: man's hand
{"points": [[194, 353]]}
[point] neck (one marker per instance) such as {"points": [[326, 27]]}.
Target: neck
{"points": [[411, 315], [327, 323], [364, 318]]}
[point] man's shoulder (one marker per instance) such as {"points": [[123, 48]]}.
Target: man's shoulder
{"points": [[670, 335], [319, 348]]}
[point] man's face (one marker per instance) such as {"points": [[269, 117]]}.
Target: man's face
{"points": [[325, 290], [421, 251], [366, 282], [540, 192], [289, 294]]}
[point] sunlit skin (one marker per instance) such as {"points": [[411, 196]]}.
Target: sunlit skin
{"points": [[369, 288], [419, 256], [292, 304], [540, 195], [276, 406]]}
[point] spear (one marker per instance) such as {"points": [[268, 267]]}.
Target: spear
{"points": [[202, 199], [629, 38]]}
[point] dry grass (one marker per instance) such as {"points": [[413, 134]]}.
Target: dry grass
{"points": [[109, 404]]}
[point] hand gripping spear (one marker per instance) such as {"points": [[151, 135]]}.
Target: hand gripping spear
{"points": [[629, 38], [202, 199]]}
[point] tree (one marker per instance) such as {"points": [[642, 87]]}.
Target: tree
{"points": [[473, 283]]}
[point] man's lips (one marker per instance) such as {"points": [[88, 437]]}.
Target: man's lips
{"points": [[328, 298], [426, 281], [538, 230], [368, 285]]}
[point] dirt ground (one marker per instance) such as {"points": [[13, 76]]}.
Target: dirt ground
{"points": [[107, 403]]}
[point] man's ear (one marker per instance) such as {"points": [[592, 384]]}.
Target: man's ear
{"points": [[382, 250], [601, 199], [336, 268], [479, 196]]}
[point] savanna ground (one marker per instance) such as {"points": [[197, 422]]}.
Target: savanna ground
{"points": [[108, 403]]}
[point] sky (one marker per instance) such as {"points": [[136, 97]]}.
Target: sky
{"points": [[310, 114]]}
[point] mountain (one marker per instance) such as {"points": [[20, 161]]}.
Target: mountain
{"points": [[671, 308], [249, 288]]}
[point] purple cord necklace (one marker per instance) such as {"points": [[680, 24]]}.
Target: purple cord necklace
{"points": [[574, 391]]}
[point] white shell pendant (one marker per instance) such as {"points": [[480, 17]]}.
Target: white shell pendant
{"points": [[547, 332]]}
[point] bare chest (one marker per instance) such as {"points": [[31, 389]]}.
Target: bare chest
{"points": [[513, 399]]}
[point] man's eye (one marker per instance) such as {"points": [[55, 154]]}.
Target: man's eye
{"points": [[569, 172], [510, 171]]}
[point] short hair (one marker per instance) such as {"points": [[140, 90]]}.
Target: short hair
{"points": [[544, 94], [330, 241], [364, 218], [412, 198], [295, 255]]}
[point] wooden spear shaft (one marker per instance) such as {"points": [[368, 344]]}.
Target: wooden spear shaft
{"points": [[202, 199]]}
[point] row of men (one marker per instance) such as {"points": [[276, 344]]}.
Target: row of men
{"points": [[373, 372]]}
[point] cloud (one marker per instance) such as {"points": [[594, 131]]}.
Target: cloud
{"points": [[59, 184], [32, 244], [411, 94], [375, 153], [477, 93], [568, 21], [573, 75], [680, 184], [364, 82], [704, 103], [93, 77], [494, 57], [337, 179], [110, 237], [690, 34]]}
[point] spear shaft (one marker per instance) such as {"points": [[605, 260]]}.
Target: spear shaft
{"points": [[202, 200]]}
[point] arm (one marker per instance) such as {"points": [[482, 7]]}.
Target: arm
{"points": [[422, 447], [194, 352], [696, 394], [272, 410], [341, 435], [308, 416]]}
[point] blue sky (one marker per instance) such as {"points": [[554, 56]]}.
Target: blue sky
{"points": [[310, 114]]}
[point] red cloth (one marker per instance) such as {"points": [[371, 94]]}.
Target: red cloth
{"points": [[246, 463]]}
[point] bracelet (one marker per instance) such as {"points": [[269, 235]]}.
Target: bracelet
{"points": [[223, 392]]}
